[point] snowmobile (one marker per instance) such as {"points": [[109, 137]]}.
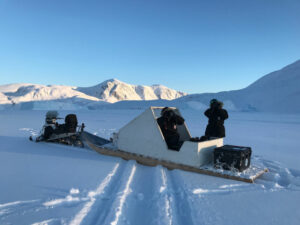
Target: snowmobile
{"points": [[142, 140], [68, 133]]}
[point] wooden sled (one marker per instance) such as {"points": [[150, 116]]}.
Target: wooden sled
{"points": [[248, 175]]}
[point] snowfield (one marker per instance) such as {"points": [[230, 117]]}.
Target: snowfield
{"points": [[43, 183]]}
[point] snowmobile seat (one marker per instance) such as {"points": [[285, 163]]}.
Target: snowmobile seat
{"points": [[48, 132], [71, 123]]}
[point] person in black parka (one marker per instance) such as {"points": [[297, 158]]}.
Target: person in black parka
{"points": [[168, 124], [216, 116]]}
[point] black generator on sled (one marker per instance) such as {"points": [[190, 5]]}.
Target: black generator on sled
{"points": [[230, 157]]}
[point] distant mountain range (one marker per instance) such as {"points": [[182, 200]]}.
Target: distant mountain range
{"points": [[32, 96], [278, 91]]}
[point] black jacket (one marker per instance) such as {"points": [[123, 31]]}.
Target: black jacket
{"points": [[168, 127], [216, 117]]}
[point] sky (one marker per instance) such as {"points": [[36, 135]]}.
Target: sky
{"points": [[193, 46]]}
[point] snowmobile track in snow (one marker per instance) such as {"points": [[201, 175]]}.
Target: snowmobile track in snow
{"points": [[18, 207], [146, 189], [142, 198], [178, 198], [99, 209]]}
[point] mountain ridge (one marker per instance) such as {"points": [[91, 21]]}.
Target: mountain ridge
{"points": [[110, 91], [278, 91]]}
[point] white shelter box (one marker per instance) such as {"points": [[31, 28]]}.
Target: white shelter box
{"points": [[143, 136]]}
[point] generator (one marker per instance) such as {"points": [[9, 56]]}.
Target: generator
{"points": [[232, 157]]}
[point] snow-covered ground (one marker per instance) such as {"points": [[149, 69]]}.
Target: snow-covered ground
{"points": [[44, 183]]}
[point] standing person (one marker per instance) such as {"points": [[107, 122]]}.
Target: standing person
{"points": [[168, 124], [216, 116]]}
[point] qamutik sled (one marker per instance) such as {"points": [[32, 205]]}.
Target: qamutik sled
{"points": [[142, 140]]}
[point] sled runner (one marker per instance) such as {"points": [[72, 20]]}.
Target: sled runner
{"points": [[142, 140], [247, 176]]}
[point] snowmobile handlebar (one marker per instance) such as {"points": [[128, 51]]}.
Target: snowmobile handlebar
{"points": [[80, 128]]}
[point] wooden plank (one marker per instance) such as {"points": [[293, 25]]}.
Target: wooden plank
{"points": [[170, 165]]}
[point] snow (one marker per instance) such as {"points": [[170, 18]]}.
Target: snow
{"points": [[278, 92], [92, 195], [45, 183], [55, 97], [42, 93], [13, 87], [4, 99]]}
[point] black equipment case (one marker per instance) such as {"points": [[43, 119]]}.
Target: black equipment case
{"points": [[232, 157]]}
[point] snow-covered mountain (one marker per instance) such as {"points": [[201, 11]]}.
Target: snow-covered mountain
{"points": [[32, 92], [278, 91], [114, 91], [110, 91]]}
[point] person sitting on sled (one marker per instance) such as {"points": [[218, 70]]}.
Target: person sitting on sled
{"points": [[216, 116], [168, 124]]}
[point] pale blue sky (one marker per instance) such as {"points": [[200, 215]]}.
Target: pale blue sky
{"points": [[192, 46]]}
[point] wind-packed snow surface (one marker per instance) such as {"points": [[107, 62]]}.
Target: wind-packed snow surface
{"points": [[43, 183]]}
